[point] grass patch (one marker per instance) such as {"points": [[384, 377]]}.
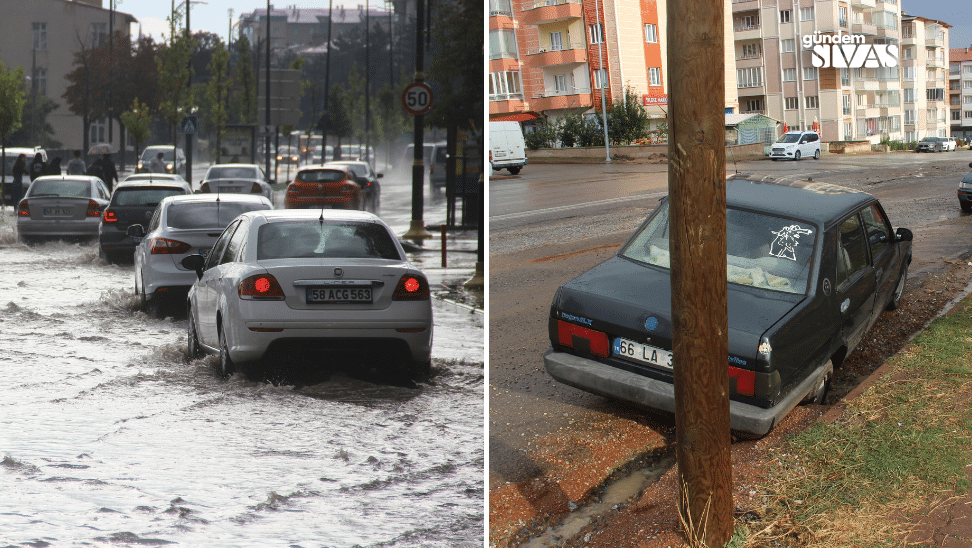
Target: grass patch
{"points": [[904, 443]]}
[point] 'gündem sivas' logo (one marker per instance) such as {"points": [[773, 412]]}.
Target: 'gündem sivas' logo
{"points": [[848, 51]]}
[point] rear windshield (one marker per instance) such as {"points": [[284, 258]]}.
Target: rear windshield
{"points": [[321, 176], [141, 196], [232, 173], [347, 239], [207, 214], [762, 250], [62, 188]]}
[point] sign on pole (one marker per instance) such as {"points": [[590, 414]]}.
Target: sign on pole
{"points": [[417, 98]]}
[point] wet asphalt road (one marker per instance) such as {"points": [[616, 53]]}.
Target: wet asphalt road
{"points": [[555, 221], [109, 437]]}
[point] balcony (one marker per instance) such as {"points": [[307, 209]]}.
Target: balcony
{"points": [[568, 53], [869, 29], [562, 99], [550, 11]]}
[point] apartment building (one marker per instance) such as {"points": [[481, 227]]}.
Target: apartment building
{"points": [[960, 92], [925, 66], [43, 36], [549, 58]]}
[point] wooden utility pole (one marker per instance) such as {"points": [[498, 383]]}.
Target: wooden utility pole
{"points": [[697, 190]]}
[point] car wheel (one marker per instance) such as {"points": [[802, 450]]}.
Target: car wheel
{"points": [[193, 350], [898, 291], [513, 170], [816, 154], [226, 365], [796, 155]]}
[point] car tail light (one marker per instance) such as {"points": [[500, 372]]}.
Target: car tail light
{"points": [[204, 187], [23, 210], [94, 210], [256, 189], [165, 246], [411, 288], [745, 381], [261, 287], [571, 335], [109, 217]]}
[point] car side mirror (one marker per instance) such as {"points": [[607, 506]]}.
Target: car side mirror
{"points": [[904, 235], [136, 231], [196, 263]]}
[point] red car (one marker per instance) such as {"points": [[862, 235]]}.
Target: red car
{"points": [[324, 187]]}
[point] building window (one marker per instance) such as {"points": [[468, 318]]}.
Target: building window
{"points": [[749, 77], [789, 75], [597, 33], [654, 76], [847, 105], [792, 103], [502, 44], [809, 73], [651, 33], [806, 14], [787, 45], [600, 78], [842, 15], [784, 16], [811, 102], [98, 130], [504, 85], [40, 36], [500, 7], [99, 34]]}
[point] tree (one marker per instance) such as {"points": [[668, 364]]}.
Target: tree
{"points": [[136, 121], [215, 92], [12, 99], [627, 119]]}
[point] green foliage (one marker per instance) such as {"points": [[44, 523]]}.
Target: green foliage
{"points": [[544, 135], [627, 119]]}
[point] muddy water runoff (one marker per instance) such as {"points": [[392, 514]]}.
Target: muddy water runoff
{"points": [[109, 438]]}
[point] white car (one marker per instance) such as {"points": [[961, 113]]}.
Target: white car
{"points": [[794, 145], [236, 179], [181, 226], [322, 284]]}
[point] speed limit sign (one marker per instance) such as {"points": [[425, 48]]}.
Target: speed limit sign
{"points": [[417, 98]]}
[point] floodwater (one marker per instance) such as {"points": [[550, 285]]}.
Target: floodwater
{"points": [[108, 437]]}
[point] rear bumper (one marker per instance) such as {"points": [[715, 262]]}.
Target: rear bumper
{"points": [[604, 380]]}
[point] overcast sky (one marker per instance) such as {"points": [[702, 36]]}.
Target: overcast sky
{"points": [[957, 13], [213, 15]]}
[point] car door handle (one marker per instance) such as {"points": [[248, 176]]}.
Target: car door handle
{"points": [[844, 306]]}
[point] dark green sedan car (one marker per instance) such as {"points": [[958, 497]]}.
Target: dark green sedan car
{"points": [[810, 267]]}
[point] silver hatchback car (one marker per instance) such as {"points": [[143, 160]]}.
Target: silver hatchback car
{"points": [[62, 207]]}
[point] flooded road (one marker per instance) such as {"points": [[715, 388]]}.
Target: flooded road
{"points": [[109, 437]]}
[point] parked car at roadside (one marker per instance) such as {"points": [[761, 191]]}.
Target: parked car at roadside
{"points": [[810, 268], [794, 145], [62, 207], [323, 187], [181, 226], [236, 179], [133, 201], [323, 284]]}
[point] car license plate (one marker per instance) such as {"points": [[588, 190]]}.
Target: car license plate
{"points": [[57, 212], [642, 353], [338, 295]]}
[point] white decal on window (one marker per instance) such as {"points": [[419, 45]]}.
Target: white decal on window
{"points": [[786, 240]]}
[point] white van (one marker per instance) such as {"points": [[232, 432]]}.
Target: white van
{"points": [[506, 146], [794, 145]]}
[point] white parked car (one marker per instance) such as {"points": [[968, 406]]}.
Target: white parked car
{"points": [[794, 145], [323, 284], [181, 226], [236, 179]]}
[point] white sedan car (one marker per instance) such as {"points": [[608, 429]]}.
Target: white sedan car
{"points": [[325, 284], [181, 226], [236, 179]]}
